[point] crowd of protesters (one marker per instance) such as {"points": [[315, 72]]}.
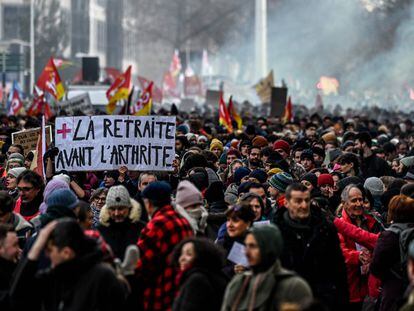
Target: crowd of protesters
{"points": [[322, 207]]}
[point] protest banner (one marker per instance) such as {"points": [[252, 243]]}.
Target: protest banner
{"points": [[81, 103], [28, 138], [145, 143]]}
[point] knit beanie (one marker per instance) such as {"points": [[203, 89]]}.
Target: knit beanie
{"points": [[312, 178], [15, 172], [281, 181], [375, 186], [240, 173], [260, 175], [183, 129], [274, 170], [62, 177], [62, 198], [16, 157], [51, 186], [223, 158], [307, 154], [235, 152], [260, 142], [281, 144], [325, 179], [118, 196], [188, 194], [215, 143], [159, 191]]}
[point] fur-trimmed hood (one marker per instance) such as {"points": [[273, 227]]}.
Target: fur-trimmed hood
{"points": [[134, 214]]}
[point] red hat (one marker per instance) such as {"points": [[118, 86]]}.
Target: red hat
{"points": [[325, 179], [235, 152], [260, 142], [281, 144]]}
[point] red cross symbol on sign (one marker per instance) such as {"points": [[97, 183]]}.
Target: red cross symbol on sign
{"points": [[64, 131]]}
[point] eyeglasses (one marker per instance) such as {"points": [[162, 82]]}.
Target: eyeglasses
{"points": [[100, 199], [24, 189]]}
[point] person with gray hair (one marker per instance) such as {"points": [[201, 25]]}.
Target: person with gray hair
{"points": [[357, 258]]}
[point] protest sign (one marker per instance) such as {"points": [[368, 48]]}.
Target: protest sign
{"points": [[237, 254], [28, 138], [109, 142], [81, 103]]}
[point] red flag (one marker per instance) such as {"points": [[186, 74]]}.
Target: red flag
{"points": [[143, 105], [41, 150], [112, 73], [118, 90], [170, 81], [224, 116], [78, 78], [50, 81], [170, 86], [16, 103], [39, 105], [288, 116], [156, 91]]}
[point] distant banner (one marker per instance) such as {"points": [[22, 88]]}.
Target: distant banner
{"points": [[28, 138], [78, 103], [109, 142]]}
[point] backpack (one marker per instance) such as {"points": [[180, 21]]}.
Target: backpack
{"points": [[405, 232]]}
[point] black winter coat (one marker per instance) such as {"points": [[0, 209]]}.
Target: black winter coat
{"points": [[201, 290], [80, 284], [386, 266], [120, 235], [314, 253], [374, 166], [6, 272]]}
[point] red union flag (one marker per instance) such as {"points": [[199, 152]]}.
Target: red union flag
{"points": [[15, 104], [143, 106], [156, 91], [50, 81], [170, 85]]}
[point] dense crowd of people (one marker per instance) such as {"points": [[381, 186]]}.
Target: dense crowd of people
{"points": [[315, 214]]}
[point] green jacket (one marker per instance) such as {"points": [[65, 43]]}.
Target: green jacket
{"points": [[266, 291]]}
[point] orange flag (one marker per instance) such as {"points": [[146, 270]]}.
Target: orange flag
{"points": [[118, 90], [288, 116], [50, 81], [224, 116]]}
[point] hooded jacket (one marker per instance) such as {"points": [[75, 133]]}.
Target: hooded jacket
{"points": [[120, 235], [268, 286]]}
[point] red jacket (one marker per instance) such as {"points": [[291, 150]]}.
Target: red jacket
{"points": [[159, 237], [357, 283]]}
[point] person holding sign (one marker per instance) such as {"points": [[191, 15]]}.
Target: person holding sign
{"points": [[239, 220], [268, 286]]}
